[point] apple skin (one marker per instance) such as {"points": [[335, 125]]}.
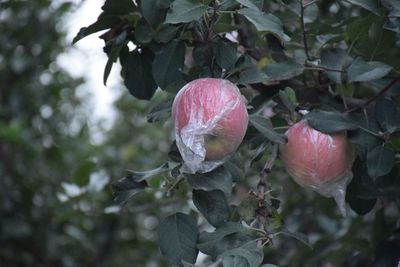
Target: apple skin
{"points": [[213, 113], [315, 159]]}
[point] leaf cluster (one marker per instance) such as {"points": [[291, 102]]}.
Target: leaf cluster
{"points": [[289, 58]]}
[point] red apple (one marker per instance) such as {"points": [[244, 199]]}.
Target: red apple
{"points": [[315, 159], [210, 119]]}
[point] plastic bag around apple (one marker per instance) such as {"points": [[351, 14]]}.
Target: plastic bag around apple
{"points": [[318, 161], [211, 120]]}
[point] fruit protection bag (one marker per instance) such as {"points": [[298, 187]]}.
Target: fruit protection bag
{"points": [[210, 120], [318, 161]]}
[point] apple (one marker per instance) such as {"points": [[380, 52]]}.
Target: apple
{"points": [[315, 159], [210, 120]]}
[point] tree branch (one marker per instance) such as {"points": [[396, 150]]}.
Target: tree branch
{"points": [[262, 184], [303, 29], [372, 99], [310, 3], [173, 187], [321, 68]]}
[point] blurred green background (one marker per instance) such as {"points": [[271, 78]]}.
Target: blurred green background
{"points": [[55, 199]]}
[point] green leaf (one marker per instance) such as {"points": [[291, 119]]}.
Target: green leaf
{"points": [[112, 58], [107, 19], [288, 98], [387, 114], [107, 70], [174, 153], [362, 71], [264, 126], [224, 23], [182, 11], [219, 179], [265, 22], [167, 65], [361, 184], [249, 4], [233, 165], [276, 219], [364, 141], [178, 236], [380, 161], [247, 208], [370, 5], [128, 186], [283, 71], [334, 59], [209, 242], [233, 241], [228, 4], [357, 30], [378, 85], [103, 22], [213, 206], [137, 74], [248, 254], [234, 261], [165, 33], [152, 12], [143, 32], [160, 111], [225, 54], [125, 188], [251, 75], [120, 7], [329, 122], [203, 54], [363, 190], [164, 3]]}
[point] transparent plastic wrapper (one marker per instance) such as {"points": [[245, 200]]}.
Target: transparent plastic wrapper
{"points": [[211, 120], [321, 162]]}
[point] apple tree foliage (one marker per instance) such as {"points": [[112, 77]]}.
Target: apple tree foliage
{"points": [[340, 60]]}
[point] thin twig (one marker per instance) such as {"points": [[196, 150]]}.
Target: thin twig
{"points": [[303, 29], [310, 66], [262, 184], [172, 188], [372, 99], [370, 132], [322, 68], [310, 3], [270, 163], [281, 128]]}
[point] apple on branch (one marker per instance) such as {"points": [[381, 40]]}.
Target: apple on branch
{"points": [[318, 161], [211, 120]]}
